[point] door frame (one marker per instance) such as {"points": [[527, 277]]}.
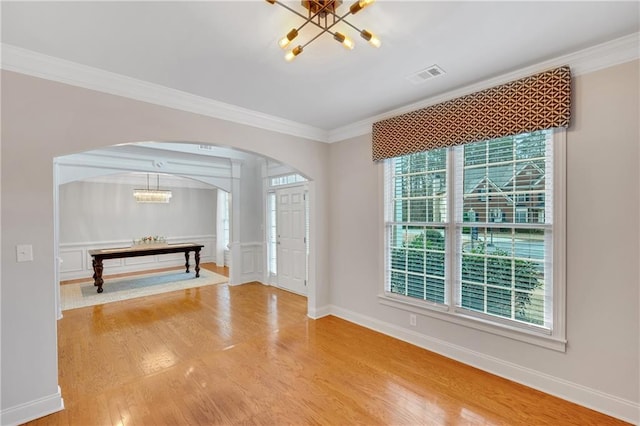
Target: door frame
{"points": [[270, 278]]}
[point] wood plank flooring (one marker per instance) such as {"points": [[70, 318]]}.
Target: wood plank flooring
{"points": [[249, 355]]}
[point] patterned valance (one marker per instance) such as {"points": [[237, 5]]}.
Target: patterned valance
{"points": [[541, 101]]}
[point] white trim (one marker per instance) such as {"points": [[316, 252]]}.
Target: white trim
{"points": [[36, 64], [452, 311], [32, 410], [316, 217], [458, 317], [606, 403], [618, 51], [109, 166], [323, 311], [251, 262], [559, 234], [57, 260], [83, 268]]}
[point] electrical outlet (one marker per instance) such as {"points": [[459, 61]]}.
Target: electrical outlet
{"points": [[412, 320]]}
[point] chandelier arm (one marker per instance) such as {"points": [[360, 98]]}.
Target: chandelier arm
{"points": [[306, 18], [351, 25], [316, 36], [340, 18], [328, 28], [322, 9]]}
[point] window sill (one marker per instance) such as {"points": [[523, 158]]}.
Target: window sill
{"points": [[459, 318]]}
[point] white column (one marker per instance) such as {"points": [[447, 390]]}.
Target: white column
{"points": [[235, 267], [220, 243], [56, 236]]}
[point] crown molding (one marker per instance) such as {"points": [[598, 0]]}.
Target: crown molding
{"points": [[51, 68], [584, 61], [24, 61]]}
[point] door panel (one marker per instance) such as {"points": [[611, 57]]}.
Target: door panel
{"points": [[292, 250]]}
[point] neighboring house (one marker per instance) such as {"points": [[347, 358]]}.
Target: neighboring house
{"points": [[506, 193]]}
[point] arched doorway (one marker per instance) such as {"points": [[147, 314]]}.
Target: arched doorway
{"points": [[245, 176]]}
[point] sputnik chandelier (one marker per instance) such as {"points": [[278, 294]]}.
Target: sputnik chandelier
{"points": [[322, 14]]}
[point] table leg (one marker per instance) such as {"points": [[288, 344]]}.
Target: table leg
{"points": [[197, 256], [97, 274], [186, 258]]}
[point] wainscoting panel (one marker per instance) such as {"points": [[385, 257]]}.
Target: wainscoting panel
{"points": [[76, 261], [175, 257], [248, 263], [133, 261], [107, 263], [252, 260], [72, 260]]}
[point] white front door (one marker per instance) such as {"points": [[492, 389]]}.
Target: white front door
{"points": [[291, 239]]}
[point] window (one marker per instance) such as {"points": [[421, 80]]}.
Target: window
{"points": [[226, 200], [521, 215], [287, 179], [469, 233], [272, 233]]}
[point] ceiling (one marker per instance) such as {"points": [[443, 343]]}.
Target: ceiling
{"points": [[227, 50]]}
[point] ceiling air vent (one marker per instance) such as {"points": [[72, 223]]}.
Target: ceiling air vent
{"points": [[425, 74]]}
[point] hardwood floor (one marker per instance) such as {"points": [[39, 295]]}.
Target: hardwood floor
{"points": [[249, 355]]}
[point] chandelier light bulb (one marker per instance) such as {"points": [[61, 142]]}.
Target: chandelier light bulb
{"points": [[359, 5], [348, 43], [284, 41], [345, 41], [371, 38], [290, 56]]}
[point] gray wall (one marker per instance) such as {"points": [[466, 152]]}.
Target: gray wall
{"points": [[602, 355], [93, 211], [252, 212], [42, 120]]}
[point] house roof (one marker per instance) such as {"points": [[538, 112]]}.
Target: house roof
{"points": [[500, 175]]}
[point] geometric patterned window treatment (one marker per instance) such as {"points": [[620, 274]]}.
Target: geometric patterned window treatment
{"points": [[541, 101]]}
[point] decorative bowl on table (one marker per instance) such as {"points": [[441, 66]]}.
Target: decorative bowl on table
{"points": [[150, 240]]}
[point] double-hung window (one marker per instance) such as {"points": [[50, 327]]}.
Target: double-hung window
{"points": [[470, 235]]}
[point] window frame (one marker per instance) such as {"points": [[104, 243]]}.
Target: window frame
{"points": [[554, 338]]}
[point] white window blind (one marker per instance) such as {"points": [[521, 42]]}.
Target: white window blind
{"points": [[469, 230], [504, 233], [417, 225]]}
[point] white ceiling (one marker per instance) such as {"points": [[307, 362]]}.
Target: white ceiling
{"points": [[227, 50]]}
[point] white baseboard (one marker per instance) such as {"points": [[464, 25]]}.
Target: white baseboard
{"points": [[591, 398], [322, 311], [32, 410]]}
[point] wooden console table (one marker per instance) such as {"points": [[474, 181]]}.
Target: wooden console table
{"points": [[141, 250]]}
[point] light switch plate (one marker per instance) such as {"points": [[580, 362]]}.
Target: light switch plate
{"points": [[24, 252]]}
